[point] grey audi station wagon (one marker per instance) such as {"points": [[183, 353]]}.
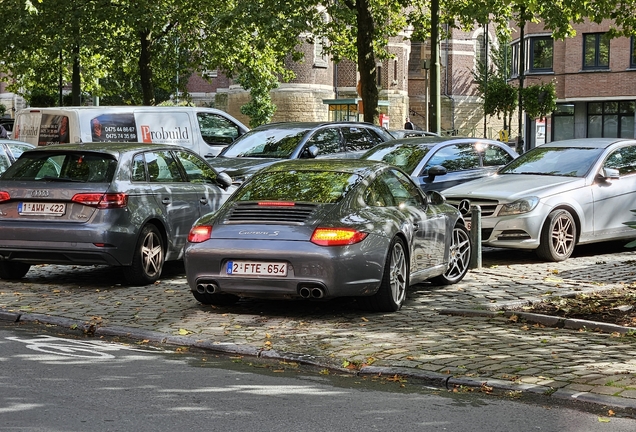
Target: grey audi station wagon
{"points": [[129, 205]]}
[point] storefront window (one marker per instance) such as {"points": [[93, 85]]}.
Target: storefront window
{"points": [[563, 122], [611, 119]]}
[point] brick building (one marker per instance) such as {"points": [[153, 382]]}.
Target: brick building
{"points": [[595, 81]]}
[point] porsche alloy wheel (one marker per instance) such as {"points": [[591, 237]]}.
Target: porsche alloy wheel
{"points": [[395, 282], [459, 257]]}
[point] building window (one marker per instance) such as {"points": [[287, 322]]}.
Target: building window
{"points": [[395, 71], [480, 50], [563, 122], [541, 52], [378, 76], [596, 51], [632, 56], [320, 58], [611, 119], [514, 67]]}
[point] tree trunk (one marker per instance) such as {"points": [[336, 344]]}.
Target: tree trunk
{"points": [[145, 70], [366, 61]]}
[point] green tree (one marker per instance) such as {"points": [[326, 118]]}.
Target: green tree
{"points": [[359, 30], [500, 97]]}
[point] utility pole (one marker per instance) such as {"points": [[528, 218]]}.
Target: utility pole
{"points": [[435, 102], [522, 67]]}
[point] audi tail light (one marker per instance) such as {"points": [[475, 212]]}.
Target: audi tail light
{"points": [[102, 200]]}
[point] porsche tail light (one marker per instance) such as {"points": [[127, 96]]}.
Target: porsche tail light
{"points": [[200, 233], [4, 196], [102, 200], [337, 236]]}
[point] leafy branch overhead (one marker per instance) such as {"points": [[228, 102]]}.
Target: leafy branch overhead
{"points": [[143, 51]]}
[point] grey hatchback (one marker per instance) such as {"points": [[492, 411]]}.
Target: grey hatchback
{"points": [[129, 205]]}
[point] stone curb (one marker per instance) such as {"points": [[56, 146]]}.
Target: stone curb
{"points": [[547, 320], [433, 378]]}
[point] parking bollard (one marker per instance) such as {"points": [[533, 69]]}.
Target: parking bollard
{"points": [[475, 237]]}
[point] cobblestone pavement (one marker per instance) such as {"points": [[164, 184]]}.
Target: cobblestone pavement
{"points": [[468, 344]]}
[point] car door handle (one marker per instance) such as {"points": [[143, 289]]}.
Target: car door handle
{"points": [[165, 200], [203, 200]]}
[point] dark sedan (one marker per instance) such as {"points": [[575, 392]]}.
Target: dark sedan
{"points": [[437, 163], [129, 205], [319, 229], [272, 142]]}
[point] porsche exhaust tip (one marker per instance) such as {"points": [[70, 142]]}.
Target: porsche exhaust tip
{"points": [[207, 288]]}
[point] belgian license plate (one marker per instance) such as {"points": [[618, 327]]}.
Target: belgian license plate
{"points": [[40, 208], [256, 268]]}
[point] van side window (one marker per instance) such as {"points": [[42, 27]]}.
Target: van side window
{"points": [[216, 129]]}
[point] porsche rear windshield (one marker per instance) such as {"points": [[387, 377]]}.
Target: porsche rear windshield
{"points": [[58, 166], [298, 186], [554, 161]]}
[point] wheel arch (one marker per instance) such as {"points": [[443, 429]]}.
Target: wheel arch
{"points": [[158, 223], [575, 216]]}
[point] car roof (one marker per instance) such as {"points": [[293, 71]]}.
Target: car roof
{"points": [[310, 125], [12, 141], [586, 142], [113, 148], [353, 166], [430, 141]]}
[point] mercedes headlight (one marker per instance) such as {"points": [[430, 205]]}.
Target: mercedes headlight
{"points": [[524, 205]]}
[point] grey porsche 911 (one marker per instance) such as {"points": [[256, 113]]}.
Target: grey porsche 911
{"points": [[319, 229]]}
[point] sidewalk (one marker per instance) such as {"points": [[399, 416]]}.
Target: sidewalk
{"points": [[449, 336]]}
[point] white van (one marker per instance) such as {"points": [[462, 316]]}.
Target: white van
{"points": [[206, 131]]}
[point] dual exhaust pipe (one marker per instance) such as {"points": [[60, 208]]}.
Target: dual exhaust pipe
{"points": [[311, 292], [207, 288], [305, 292]]}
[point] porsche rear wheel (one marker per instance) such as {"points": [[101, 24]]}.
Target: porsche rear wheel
{"points": [[558, 236], [459, 257], [395, 281]]}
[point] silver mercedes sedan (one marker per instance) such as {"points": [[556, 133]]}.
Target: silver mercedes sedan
{"points": [[319, 229], [556, 196], [128, 205]]}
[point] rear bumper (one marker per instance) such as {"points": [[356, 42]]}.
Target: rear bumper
{"points": [[338, 271], [72, 244]]}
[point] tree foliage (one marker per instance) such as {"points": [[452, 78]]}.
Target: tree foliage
{"points": [[142, 51], [539, 99]]}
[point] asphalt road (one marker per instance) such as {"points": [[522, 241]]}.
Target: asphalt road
{"points": [[453, 336], [50, 382]]}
